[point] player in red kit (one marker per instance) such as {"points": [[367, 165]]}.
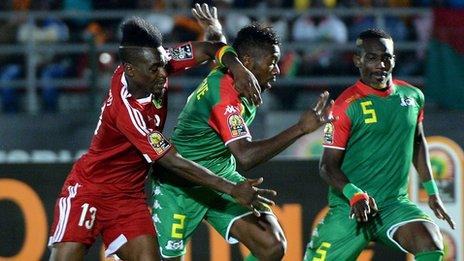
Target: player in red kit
{"points": [[104, 193]]}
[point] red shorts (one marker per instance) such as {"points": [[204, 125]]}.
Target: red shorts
{"points": [[80, 216]]}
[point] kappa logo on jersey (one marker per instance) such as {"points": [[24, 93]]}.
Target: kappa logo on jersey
{"points": [[406, 101], [236, 125], [230, 109], [158, 142], [175, 245], [183, 52], [329, 133]]}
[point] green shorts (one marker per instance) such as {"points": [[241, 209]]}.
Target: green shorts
{"points": [[177, 212], [338, 237]]}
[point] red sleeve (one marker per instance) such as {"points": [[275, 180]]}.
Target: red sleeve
{"points": [[336, 134], [420, 117], [152, 144], [182, 57], [226, 116]]}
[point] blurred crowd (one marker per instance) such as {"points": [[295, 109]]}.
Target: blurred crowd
{"points": [[310, 32]]}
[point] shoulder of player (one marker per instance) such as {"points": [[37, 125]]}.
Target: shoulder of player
{"points": [[405, 86], [222, 83], [347, 97]]}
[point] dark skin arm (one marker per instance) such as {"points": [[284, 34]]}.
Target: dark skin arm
{"points": [[251, 153], [245, 82], [331, 172], [245, 193], [421, 161]]}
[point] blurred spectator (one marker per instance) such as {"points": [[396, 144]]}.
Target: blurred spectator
{"points": [[234, 22]]}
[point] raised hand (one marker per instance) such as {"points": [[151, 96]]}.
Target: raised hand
{"points": [[363, 209], [208, 19], [248, 195], [317, 116], [437, 206]]}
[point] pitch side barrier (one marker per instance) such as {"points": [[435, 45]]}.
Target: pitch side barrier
{"points": [[28, 193]]}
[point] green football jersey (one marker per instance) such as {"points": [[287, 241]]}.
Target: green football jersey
{"points": [[214, 116], [376, 130]]}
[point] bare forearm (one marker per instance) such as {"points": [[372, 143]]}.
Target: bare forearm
{"points": [[334, 177], [260, 151], [196, 173], [421, 159]]}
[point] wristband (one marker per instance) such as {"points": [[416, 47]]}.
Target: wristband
{"points": [[223, 50], [349, 190], [430, 187], [357, 197]]}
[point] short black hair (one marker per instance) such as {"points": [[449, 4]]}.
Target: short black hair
{"points": [[253, 38], [373, 33], [137, 32]]}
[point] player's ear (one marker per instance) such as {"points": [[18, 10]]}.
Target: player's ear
{"points": [[128, 69], [246, 61], [357, 60]]}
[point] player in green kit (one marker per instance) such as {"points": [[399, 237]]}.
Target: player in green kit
{"points": [[367, 156], [212, 130]]}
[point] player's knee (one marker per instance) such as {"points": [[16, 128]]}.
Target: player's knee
{"points": [[67, 251], [434, 240], [274, 250]]}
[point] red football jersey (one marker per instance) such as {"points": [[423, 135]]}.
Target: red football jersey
{"points": [[128, 135]]}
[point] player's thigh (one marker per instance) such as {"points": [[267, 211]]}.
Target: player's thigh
{"points": [[126, 222], [177, 212], [226, 212], [139, 248], [71, 251], [337, 237], [259, 234], [406, 227], [75, 217]]}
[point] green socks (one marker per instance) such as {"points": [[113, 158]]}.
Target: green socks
{"points": [[430, 256]]}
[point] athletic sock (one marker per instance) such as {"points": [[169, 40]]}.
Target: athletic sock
{"points": [[430, 256], [250, 257]]}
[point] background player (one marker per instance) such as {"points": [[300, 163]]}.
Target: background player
{"points": [[104, 193], [212, 130], [366, 161]]}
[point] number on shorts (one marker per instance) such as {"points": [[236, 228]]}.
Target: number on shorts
{"points": [[322, 251], [89, 222], [369, 112], [175, 233]]}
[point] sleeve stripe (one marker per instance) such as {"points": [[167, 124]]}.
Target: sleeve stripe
{"points": [[136, 119], [147, 158], [238, 138], [333, 147]]}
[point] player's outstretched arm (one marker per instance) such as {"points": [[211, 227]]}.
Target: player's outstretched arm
{"points": [[207, 18], [421, 161], [362, 205], [251, 153], [246, 193]]}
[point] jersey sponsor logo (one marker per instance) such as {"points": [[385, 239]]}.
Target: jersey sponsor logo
{"points": [[407, 101], [183, 52], [236, 125], [230, 109], [175, 245], [158, 142], [329, 133]]}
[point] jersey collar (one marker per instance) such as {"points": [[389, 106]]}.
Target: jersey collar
{"points": [[367, 90]]}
